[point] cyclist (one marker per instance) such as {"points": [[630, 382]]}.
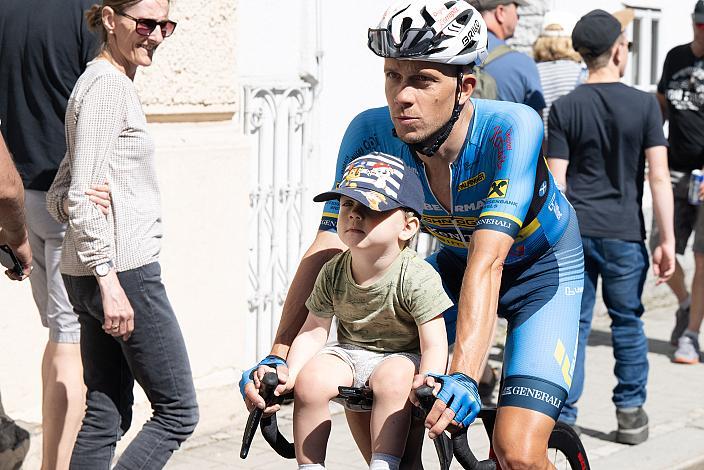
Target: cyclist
{"points": [[510, 240]]}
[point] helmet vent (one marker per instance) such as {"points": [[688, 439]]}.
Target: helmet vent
{"points": [[429, 20]]}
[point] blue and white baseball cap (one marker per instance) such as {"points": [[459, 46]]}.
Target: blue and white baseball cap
{"points": [[381, 182]]}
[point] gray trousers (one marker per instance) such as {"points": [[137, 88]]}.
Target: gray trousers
{"points": [[155, 356]]}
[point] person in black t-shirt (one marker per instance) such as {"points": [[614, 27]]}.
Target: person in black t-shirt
{"points": [[600, 136], [44, 48], [681, 97]]}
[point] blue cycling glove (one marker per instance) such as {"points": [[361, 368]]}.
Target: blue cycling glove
{"points": [[460, 393], [270, 360]]}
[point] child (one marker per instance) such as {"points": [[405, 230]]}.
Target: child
{"points": [[388, 303]]}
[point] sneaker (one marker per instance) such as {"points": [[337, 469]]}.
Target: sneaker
{"points": [[632, 425], [681, 322], [687, 350]]}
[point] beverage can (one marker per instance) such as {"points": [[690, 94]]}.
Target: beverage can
{"points": [[695, 180]]}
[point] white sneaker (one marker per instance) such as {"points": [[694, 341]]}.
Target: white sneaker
{"points": [[687, 350]]}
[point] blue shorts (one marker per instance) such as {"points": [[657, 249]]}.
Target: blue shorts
{"points": [[541, 301]]}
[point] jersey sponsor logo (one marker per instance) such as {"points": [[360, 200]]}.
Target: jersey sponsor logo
{"points": [[554, 207], [531, 392], [453, 239], [498, 189], [573, 290], [447, 221], [367, 145], [543, 188], [502, 143], [472, 206], [433, 207], [473, 181]]}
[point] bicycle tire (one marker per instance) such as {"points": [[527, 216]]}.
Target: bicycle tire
{"points": [[565, 440]]}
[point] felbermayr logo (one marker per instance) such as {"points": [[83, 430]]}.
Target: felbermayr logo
{"points": [[534, 393]]}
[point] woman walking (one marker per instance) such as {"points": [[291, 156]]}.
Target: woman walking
{"points": [[110, 261]]}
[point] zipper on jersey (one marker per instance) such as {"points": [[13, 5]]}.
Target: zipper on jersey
{"points": [[451, 213]]}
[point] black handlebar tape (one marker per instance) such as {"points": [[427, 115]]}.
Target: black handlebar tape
{"points": [[464, 455], [272, 435], [443, 444], [266, 391]]}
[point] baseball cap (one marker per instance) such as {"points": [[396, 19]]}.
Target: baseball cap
{"points": [[558, 24], [483, 5], [698, 15], [596, 32], [381, 182]]}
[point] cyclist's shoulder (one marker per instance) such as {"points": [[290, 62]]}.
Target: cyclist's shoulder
{"points": [[493, 115], [372, 117]]}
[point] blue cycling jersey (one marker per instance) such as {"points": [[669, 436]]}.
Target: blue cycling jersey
{"points": [[498, 182]]}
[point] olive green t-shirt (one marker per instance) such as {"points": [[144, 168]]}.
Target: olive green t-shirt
{"points": [[383, 316]]}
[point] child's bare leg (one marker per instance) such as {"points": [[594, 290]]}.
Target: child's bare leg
{"points": [[391, 414], [315, 386]]}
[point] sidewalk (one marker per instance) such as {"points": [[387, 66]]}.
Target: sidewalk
{"points": [[675, 407]]}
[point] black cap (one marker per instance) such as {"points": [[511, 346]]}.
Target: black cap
{"points": [[381, 182], [595, 33], [698, 15]]}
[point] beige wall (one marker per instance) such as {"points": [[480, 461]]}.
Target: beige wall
{"points": [[202, 168]]}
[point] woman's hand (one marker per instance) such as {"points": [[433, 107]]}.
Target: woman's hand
{"points": [[99, 194]]}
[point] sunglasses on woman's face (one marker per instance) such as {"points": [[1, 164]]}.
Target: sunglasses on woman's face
{"points": [[146, 26]]}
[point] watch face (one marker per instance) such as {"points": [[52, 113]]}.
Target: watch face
{"points": [[102, 269]]}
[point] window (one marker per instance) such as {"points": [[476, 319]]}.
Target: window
{"points": [[644, 63]]}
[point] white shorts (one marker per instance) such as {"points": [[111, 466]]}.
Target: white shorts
{"points": [[363, 361]]}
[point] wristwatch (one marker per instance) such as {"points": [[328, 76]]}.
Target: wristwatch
{"points": [[103, 269]]}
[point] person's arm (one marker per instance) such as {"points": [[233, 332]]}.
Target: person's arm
{"points": [[558, 151], [478, 300], [102, 115], [14, 231], [558, 168], [662, 102], [433, 346], [663, 207], [310, 340], [56, 200]]}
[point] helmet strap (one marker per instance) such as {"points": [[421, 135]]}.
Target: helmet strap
{"points": [[431, 145]]}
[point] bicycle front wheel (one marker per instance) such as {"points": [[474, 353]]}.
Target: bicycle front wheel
{"points": [[565, 449]]}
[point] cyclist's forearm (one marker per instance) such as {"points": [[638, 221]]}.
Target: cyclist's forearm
{"points": [[325, 246], [476, 314]]}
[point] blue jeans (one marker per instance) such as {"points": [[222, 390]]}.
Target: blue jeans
{"points": [[623, 266], [155, 355]]}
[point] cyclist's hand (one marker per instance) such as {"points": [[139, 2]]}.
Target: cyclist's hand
{"points": [[251, 381], [418, 381], [460, 391]]}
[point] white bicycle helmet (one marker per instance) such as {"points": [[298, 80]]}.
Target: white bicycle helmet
{"points": [[442, 31]]}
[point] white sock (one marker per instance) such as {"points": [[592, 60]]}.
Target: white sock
{"points": [[684, 305], [384, 462], [311, 466]]}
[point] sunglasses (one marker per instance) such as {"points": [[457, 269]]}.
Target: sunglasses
{"points": [[146, 26]]}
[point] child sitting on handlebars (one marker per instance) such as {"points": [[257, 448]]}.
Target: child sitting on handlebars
{"points": [[388, 302]]}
